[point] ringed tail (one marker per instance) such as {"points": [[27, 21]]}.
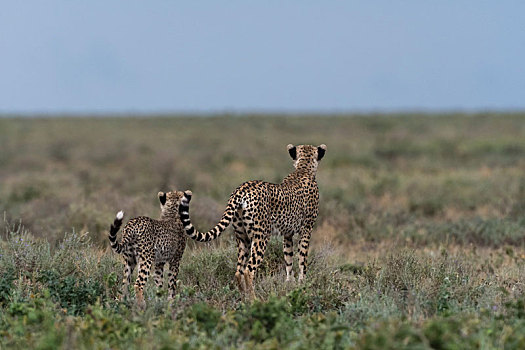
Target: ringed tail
{"points": [[184, 212], [115, 227]]}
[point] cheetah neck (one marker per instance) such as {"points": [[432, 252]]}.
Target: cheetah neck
{"points": [[301, 173], [305, 166], [169, 214]]}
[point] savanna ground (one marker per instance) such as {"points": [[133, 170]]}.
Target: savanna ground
{"points": [[419, 243]]}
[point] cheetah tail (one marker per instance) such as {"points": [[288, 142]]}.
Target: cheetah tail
{"points": [[184, 212], [115, 227]]}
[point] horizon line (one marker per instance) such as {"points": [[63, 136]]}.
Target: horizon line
{"points": [[259, 112]]}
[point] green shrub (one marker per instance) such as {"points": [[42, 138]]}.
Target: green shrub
{"points": [[263, 320], [515, 309], [71, 292], [6, 284], [206, 317]]}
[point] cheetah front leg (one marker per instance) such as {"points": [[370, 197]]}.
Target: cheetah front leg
{"points": [[159, 277], [304, 247], [288, 256]]}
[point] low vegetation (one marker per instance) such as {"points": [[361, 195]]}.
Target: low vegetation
{"points": [[419, 243]]}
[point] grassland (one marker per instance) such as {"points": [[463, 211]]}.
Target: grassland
{"points": [[420, 241]]}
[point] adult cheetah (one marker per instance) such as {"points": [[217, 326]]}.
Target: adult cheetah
{"points": [[147, 241], [258, 208]]}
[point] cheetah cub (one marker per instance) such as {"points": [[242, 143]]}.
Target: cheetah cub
{"points": [[147, 241]]}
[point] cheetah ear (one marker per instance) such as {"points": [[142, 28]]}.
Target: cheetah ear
{"points": [[162, 198], [293, 151], [321, 151]]}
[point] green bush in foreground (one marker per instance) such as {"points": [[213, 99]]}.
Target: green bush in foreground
{"points": [[269, 324], [65, 297]]}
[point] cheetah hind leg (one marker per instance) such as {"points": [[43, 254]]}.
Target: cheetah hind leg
{"points": [[159, 278], [144, 270], [131, 262], [249, 291], [241, 266], [139, 295], [239, 278], [256, 257], [173, 273], [242, 252]]}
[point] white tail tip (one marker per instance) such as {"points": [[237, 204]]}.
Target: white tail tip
{"points": [[120, 215]]}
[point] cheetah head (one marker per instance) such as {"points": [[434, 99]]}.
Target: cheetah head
{"points": [[306, 156], [169, 202]]}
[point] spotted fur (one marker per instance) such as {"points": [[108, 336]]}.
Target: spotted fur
{"points": [[257, 208], [147, 241]]}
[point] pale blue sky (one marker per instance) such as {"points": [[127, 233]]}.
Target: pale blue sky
{"points": [[216, 56]]}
